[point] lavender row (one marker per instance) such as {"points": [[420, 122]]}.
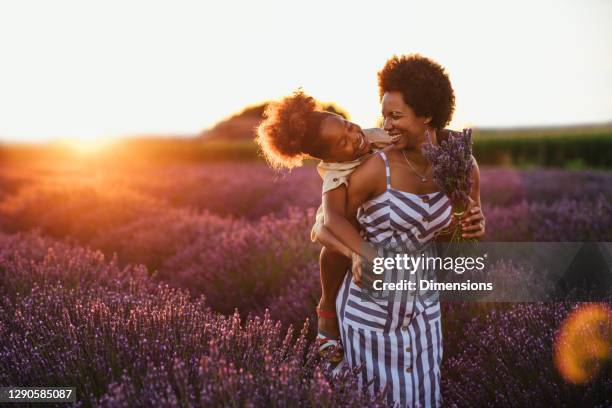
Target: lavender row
{"points": [[69, 316], [237, 262], [234, 262], [251, 190], [124, 340]]}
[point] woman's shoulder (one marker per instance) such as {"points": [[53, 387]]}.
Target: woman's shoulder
{"points": [[368, 179], [371, 167]]}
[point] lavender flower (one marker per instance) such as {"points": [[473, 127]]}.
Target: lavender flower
{"points": [[116, 288], [452, 173], [124, 340], [452, 167], [515, 346]]}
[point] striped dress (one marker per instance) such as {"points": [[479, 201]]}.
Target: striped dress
{"points": [[397, 338]]}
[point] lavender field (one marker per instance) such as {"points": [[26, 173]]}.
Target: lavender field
{"points": [[196, 284]]}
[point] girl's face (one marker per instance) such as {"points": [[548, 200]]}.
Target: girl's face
{"points": [[400, 120], [344, 140]]}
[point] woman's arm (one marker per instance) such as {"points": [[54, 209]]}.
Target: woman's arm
{"points": [[334, 210], [341, 215], [474, 225], [366, 181]]}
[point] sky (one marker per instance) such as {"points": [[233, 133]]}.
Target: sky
{"points": [[99, 69]]}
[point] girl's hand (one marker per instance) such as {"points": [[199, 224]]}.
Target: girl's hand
{"points": [[473, 224], [379, 137]]}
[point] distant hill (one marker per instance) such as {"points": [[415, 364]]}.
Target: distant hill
{"points": [[240, 126]]}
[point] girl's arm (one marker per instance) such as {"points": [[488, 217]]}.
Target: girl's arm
{"points": [[325, 237]]}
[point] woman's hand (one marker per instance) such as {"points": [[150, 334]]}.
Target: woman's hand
{"points": [[473, 225], [356, 268], [362, 266]]}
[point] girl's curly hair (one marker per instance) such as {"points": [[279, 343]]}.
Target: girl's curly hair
{"points": [[424, 85], [290, 131]]}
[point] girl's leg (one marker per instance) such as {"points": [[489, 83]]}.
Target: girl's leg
{"points": [[333, 266]]}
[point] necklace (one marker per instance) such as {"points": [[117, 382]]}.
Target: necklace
{"points": [[422, 176]]}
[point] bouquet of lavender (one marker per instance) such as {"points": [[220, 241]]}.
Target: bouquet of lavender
{"points": [[452, 171]]}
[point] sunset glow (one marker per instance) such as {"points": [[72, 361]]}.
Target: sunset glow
{"points": [[85, 147], [93, 69]]}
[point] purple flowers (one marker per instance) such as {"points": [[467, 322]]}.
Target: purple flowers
{"points": [[124, 340], [126, 287], [509, 362], [452, 167]]}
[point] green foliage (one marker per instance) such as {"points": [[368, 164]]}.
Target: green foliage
{"points": [[572, 148]]}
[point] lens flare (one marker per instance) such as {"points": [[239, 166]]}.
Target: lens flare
{"points": [[584, 343]]}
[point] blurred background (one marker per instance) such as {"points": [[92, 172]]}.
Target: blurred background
{"points": [[533, 78]]}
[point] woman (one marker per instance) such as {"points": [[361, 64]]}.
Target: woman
{"points": [[394, 202]]}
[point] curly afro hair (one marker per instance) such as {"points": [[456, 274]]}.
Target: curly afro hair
{"points": [[290, 131], [424, 86]]}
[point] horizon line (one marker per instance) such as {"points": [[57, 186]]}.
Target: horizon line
{"points": [[201, 133]]}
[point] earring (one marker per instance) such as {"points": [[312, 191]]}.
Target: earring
{"points": [[427, 134]]}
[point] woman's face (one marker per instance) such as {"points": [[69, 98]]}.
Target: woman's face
{"points": [[344, 140], [400, 120]]}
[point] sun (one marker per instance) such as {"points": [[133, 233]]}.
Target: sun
{"points": [[87, 147]]}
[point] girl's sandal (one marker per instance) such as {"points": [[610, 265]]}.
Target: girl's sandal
{"points": [[328, 346]]}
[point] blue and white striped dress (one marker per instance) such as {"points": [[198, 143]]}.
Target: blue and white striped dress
{"points": [[398, 339]]}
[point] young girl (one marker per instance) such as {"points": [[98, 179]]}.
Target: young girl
{"points": [[295, 128]]}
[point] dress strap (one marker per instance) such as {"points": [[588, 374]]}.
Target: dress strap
{"points": [[387, 168]]}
